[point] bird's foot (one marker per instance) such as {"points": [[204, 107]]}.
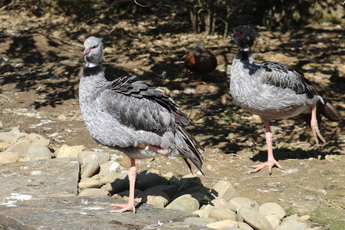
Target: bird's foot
{"points": [[124, 207], [269, 164]]}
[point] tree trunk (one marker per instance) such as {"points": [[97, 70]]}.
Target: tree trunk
{"points": [[210, 20]]}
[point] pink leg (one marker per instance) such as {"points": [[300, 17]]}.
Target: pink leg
{"points": [[314, 126], [270, 158], [131, 177]]}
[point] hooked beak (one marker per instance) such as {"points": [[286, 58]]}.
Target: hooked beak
{"points": [[86, 51], [233, 35]]}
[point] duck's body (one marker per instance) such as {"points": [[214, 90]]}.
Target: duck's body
{"points": [[200, 61]]}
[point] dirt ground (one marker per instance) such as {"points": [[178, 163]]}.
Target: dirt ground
{"points": [[41, 62]]}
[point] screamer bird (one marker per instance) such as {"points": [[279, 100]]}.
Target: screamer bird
{"points": [[274, 91], [132, 117]]}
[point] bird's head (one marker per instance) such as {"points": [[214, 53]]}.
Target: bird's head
{"points": [[244, 36], [93, 53]]}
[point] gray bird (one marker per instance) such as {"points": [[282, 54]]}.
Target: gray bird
{"points": [[274, 91], [132, 117]]}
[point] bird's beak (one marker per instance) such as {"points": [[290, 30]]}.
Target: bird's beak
{"points": [[86, 51], [231, 36]]}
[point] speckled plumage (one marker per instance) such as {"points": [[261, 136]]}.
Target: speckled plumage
{"points": [[132, 116], [273, 90]]}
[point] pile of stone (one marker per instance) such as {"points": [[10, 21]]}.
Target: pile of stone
{"points": [[219, 207]]}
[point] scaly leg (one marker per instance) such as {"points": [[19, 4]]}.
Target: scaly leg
{"points": [[131, 177], [314, 126], [270, 158]]}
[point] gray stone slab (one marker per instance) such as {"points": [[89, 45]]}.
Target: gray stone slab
{"points": [[42, 178], [82, 213], [43, 195]]}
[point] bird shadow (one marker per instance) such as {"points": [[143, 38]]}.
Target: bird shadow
{"points": [[286, 154], [152, 184]]}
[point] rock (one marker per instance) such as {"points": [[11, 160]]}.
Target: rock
{"points": [[199, 221], [89, 183], [93, 192], [225, 190], [184, 203], [195, 114], [38, 152], [238, 202], [139, 196], [274, 220], [244, 226], [109, 167], [204, 211], [202, 198], [89, 169], [206, 89], [232, 228], [1, 125], [20, 147], [8, 137], [125, 162], [5, 145], [9, 157], [62, 117], [228, 206], [305, 217], [292, 225], [24, 159], [44, 178], [223, 214], [160, 200], [37, 139], [222, 224], [271, 208], [108, 178], [256, 119], [15, 130], [218, 202], [69, 151], [99, 157], [253, 218], [90, 212]]}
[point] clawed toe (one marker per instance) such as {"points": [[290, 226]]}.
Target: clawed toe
{"points": [[124, 208], [266, 164]]}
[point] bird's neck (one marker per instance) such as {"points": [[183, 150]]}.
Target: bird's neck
{"points": [[92, 69], [91, 65], [243, 53]]}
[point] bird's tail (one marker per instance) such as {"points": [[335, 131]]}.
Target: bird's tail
{"points": [[326, 109], [193, 153]]}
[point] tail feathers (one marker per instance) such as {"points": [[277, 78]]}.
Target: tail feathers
{"points": [[326, 109], [193, 154]]}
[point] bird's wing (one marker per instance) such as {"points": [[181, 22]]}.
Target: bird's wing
{"points": [[285, 76], [141, 107]]}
